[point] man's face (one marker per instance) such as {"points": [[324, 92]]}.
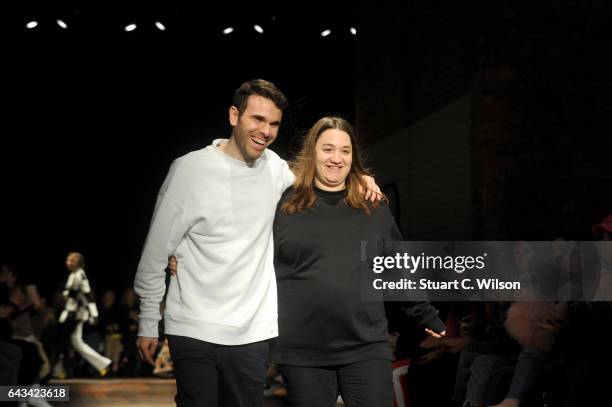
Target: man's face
{"points": [[256, 128]]}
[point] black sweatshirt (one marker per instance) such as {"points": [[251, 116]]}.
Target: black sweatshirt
{"points": [[321, 315]]}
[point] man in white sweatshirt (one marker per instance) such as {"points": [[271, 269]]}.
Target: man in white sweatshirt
{"points": [[214, 213]]}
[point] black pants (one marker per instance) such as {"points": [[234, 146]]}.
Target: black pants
{"points": [[211, 375], [10, 361], [361, 384], [31, 362]]}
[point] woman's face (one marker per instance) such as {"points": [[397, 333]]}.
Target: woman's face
{"points": [[72, 262], [333, 158]]}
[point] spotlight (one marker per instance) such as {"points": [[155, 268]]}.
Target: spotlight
{"points": [[228, 30], [325, 33], [160, 26], [353, 30], [61, 24], [258, 28], [130, 27], [32, 24]]}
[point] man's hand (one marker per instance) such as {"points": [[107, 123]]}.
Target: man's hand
{"points": [[372, 193], [172, 265], [146, 348]]}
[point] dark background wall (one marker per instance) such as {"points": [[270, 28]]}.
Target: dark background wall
{"points": [[93, 115], [542, 130], [536, 76]]}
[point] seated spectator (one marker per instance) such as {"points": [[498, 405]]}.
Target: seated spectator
{"points": [[490, 347], [603, 232], [26, 301], [45, 330], [10, 354], [129, 310], [431, 376], [534, 325], [21, 355], [108, 324]]}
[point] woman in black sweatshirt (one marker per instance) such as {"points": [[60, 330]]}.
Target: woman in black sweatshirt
{"points": [[330, 340]]}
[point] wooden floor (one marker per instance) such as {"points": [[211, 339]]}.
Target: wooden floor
{"points": [[126, 392]]}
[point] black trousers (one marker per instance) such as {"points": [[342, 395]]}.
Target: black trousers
{"points": [[211, 375], [10, 361], [361, 384]]}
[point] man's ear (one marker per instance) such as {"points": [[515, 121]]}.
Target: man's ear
{"points": [[233, 116]]}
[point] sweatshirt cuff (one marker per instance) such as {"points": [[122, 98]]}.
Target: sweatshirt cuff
{"points": [[435, 324], [148, 327]]}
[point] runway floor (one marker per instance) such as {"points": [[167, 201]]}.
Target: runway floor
{"points": [[126, 392]]}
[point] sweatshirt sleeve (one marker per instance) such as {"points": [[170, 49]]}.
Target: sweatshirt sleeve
{"points": [[85, 287], [168, 226], [421, 312]]}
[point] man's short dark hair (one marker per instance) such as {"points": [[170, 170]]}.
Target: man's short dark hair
{"points": [[259, 87]]}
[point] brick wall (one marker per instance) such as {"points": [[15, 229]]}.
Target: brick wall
{"points": [[537, 79], [542, 129]]}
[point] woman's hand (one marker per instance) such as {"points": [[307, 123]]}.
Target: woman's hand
{"points": [[435, 334], [172, 265]]}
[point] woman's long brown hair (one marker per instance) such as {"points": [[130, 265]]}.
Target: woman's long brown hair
{"points": [[303, 195]]}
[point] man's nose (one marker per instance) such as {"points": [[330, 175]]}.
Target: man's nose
{"points": [[265, 129]]}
